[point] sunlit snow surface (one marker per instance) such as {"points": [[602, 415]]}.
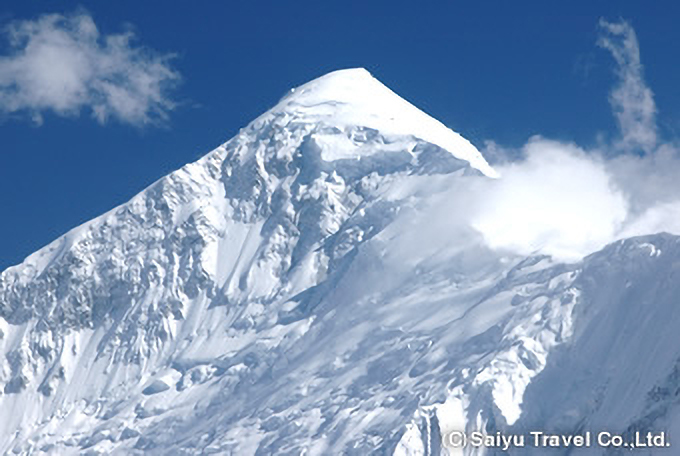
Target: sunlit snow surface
{"points": [[353, 97], [308, 288]]}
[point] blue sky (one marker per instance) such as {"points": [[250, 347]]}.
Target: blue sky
{"points": [[501, 71]]}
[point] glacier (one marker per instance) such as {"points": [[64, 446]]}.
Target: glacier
{"points": [[310, 287]]}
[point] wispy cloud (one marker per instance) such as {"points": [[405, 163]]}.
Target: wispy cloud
{"points": [[61, 63], [631, 99]]}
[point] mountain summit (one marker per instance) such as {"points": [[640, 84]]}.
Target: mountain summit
{"points": [[355, 98], [308, 288]]}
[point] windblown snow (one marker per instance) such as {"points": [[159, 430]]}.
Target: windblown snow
{"points": [[305, 288]]}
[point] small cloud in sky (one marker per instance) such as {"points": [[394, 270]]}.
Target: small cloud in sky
{"points": [[63, 64], [631, 100]]}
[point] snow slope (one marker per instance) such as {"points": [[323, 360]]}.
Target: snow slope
{"points": [[308, 288]]}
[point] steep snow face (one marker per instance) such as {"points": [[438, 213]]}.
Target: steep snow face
{"points": [[589, 347], [621, 369]]}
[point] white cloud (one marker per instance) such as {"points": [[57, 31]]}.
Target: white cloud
{"points": [[631, 100], [63, 64], [559, 200]]}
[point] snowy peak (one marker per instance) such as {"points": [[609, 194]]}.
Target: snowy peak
{"points": [[353, 97], [336, 132], [233, 270]]}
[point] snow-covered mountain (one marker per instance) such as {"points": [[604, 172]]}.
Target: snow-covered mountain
{"points": [[309, 288]]}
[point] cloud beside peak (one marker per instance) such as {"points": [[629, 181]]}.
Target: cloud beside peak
{"points": [[558, 200], [63, 64], [631, 99]]}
